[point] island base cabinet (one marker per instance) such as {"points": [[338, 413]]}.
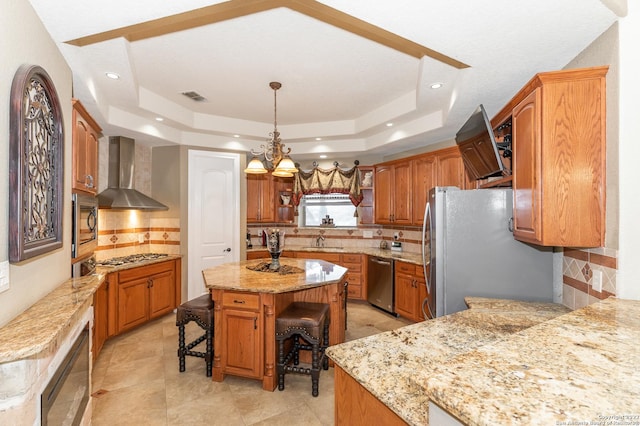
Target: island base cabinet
{"points": [[354, 405], [241, 334]]}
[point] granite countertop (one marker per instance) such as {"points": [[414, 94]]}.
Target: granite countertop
{"points": [[107, 269], [236, 276], [415, 258], [386, 364], [579, 368], [39, 328]]}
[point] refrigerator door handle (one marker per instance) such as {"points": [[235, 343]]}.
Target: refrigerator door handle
{"points": [[425, 302]]}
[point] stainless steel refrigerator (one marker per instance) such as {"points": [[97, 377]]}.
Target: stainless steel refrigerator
{"points": [[469, 250]]}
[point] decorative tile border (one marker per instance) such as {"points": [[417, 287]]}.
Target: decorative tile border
{"points": [[578, 267]]}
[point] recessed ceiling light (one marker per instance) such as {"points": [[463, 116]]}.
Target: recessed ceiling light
{"points": [[389, 124], [112, 75], [323, 155], [436, 85], [318, 139], [236, 136], [159, 119]]}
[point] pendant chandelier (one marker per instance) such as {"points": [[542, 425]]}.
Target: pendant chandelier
{"points": [[273, 152]]}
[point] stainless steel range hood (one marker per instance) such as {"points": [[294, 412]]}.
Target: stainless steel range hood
{"points": [[120, 193]]}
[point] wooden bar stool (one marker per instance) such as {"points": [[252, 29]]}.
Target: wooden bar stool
{"points": [[199, 310], [308, 322]]}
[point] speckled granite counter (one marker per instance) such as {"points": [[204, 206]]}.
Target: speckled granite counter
{"points": [[236, 276], [415, 258], [580, 368], [386, 364], [38, 329], [107, 269]]}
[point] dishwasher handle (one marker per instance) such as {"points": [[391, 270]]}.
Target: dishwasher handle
{"points": [[380, 261]]}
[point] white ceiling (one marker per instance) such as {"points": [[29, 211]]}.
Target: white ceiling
{"points": [[336, 85]]}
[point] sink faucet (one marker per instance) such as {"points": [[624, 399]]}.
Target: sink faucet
{"points": [[318, 239]]}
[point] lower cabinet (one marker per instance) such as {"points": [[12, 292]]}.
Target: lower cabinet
{"points": [[143, 293], [242, 332], [356, 275], [410, 290], [100, 318]]}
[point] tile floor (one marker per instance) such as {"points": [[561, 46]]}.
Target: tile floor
{"points": [[136, 382]]}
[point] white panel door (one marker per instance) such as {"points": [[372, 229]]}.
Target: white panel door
{"points": [[214, 206]]}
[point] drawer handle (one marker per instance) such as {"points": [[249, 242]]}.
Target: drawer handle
{"points": [[239, 301]]}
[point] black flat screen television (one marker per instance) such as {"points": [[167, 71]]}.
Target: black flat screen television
{"points": [[478, 146]]}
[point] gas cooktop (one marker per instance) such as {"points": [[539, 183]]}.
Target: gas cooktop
{"points": [[134, 258]]}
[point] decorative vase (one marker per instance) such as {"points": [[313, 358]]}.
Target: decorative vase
{"points": [[275, 245], [286, 199]]}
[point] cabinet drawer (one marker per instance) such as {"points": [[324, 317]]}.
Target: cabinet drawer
{"points": [[248, 301], [352, 267], [405, 268], [354, 292], [329, 257], [144, 271], [352, 258], [353, 279]]}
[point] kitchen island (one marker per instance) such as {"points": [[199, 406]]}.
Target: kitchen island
{"points": [[247, 303], [499, 362]]}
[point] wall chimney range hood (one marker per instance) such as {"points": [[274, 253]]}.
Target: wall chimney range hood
{"points": [[120, 194]]}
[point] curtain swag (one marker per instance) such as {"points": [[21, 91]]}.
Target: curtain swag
{"points": [[320, 181]]}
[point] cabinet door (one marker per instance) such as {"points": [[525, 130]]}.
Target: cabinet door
{"points": [[161, 294], [283, 199], [241, 343], [405, 295], [450, 169], [133, 303], [85, 134], [383, 177], [526, 160], [401, 196], [100, 318], [260, 200], [423, 181]]}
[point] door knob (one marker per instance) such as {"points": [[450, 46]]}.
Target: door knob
{"points": [[228, 249]]}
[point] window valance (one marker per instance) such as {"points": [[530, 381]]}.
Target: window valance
{"points": [[321, 181]]}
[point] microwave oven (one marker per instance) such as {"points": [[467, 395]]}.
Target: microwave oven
{"points": [[84, 225]]}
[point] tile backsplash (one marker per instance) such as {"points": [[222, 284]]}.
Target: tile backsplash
{"points": [[578, 269], [126, 232]]}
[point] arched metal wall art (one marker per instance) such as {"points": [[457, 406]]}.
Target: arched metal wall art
{"points": [[36, 165]]}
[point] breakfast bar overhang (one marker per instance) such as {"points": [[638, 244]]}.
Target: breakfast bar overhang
{"points": [[247, 303]]}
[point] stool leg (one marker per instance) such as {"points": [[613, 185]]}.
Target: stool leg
{"points": [[280, 366], [209, 353], [181, 347], [315, 368]]}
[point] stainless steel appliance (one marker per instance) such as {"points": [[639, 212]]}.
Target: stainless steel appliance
{"points": [[84, 224], [380, 283], [471, 251]]}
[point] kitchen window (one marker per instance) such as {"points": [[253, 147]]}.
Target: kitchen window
{"points": [[314, 207]]}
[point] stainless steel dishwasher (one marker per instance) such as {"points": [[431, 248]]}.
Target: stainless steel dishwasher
{"points": [[380, 283]]}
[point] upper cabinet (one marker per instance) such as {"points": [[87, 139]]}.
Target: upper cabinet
{"points": [[424, 178], [392, 193], [85, 134], [269, 199], [365, 209], [260, 200], [558, 125]]}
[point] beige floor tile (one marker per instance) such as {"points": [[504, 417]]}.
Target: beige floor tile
{"points": [[139, 371]]}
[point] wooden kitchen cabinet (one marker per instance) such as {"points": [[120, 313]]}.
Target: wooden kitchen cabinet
{"points": [[260, 198], [366, 207], [242, 333], [146, 292], [410, 290], [85, 134], [424, 178], [450, 169], [283, 189], [559, 159], [356, 275], [392, 189], [100, 318]]}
